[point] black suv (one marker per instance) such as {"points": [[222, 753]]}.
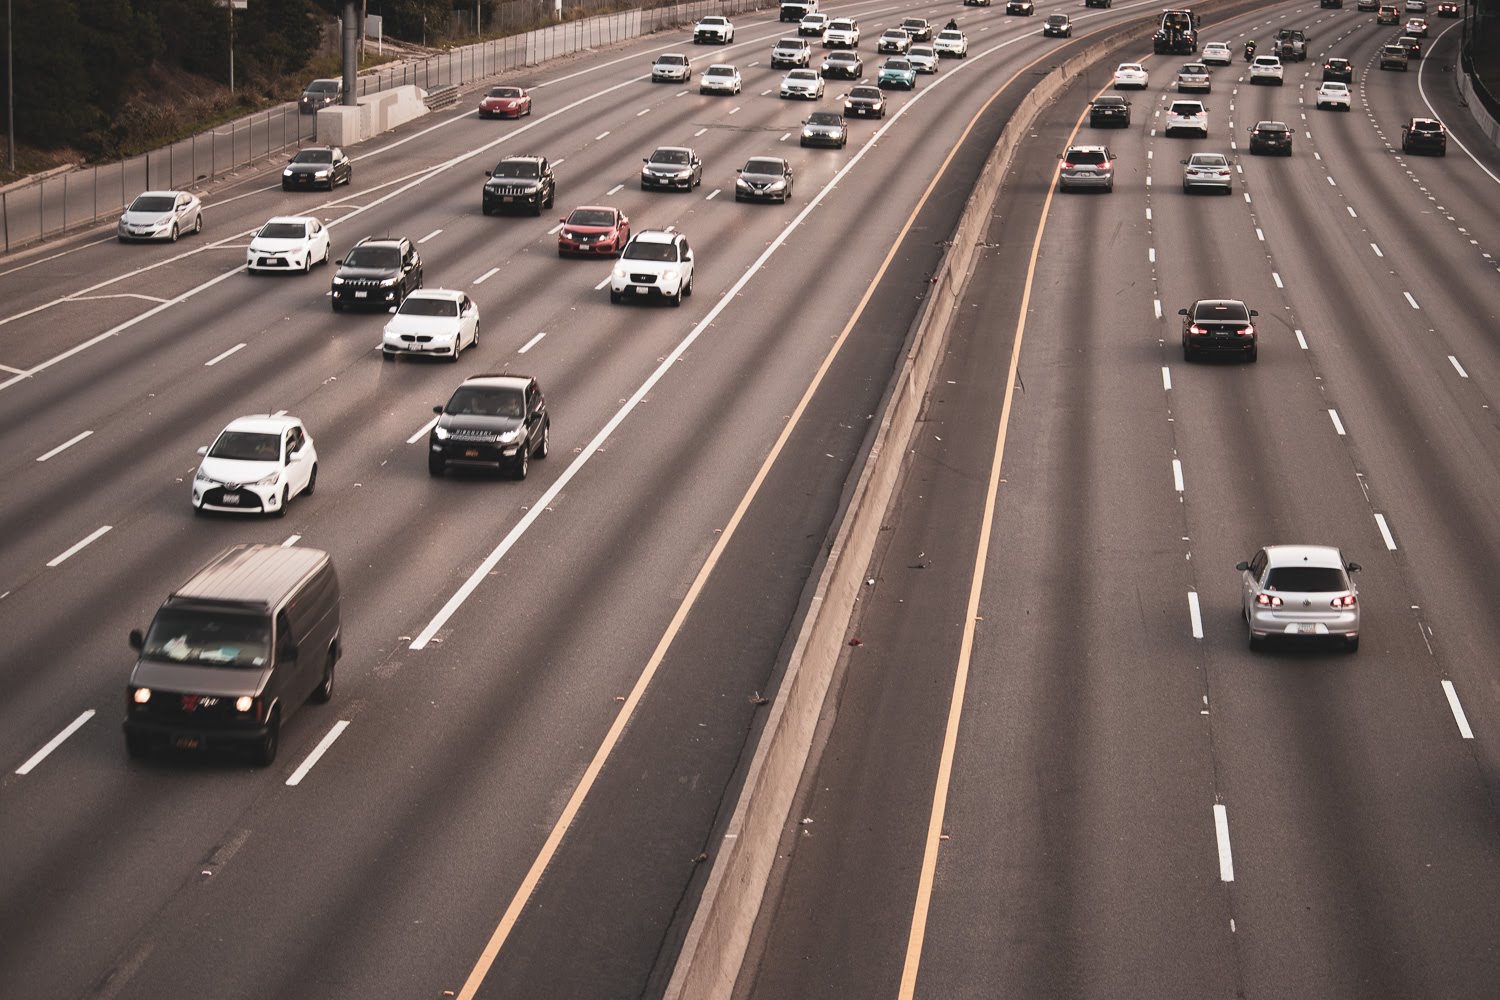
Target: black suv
{"points": [[1271, 137], [1424, 135], [1110, 109], [1218, 326], [491, 422], [519, 182], [1339, 71], [377, 272]]}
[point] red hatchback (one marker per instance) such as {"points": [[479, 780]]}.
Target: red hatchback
{"points": [[505, 102], [593, 230]]}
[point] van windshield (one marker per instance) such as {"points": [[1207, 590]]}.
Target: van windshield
{"points": [[209, 639]]}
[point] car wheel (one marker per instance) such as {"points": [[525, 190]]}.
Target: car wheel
{"points": [[198, 223], [338, 306], [614, 296], [1251, 353], [523, 462], [173, 237], [137, 746], [323, 693], [307, 263], [1188, 354], [545, 447], [1185, 188], [484, 207], [349, 177], [286, 497], [1352, 644], [677, 299], [265, 752], [435, 466], [457, 350], [286, 187], [689, 290], [312, 482]]}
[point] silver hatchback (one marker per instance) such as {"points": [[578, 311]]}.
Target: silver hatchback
{"points": [[1300, 591]]}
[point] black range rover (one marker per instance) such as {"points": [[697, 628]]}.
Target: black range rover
{"points": [[491, 422], [377, 273], [519, 182]]}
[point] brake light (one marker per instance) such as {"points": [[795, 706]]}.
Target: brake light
{"points": [[1104, 165], [1268, 600], [1347, 601], [1248, 331], [1196, 329]]}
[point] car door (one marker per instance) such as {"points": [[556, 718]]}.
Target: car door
{"points": [[340, 167], [1250, 580], [536, 415]]}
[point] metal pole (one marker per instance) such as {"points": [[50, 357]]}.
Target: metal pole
{"points": [[10, 94], [230, 7]]}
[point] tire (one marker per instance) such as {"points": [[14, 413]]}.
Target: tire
{"points": [[286, 498], [312, 482], [323, 693], [1351, 645], [484, 207], [198, 223], [349, 178], [435, 467], [137, 747], [307, 264], [523, 463], [688, 291], [265, 752], [1185, 188], [545, 448], [676, 300], [614, 296], [338, 306], [173, 237], [1251, 354], [1188, 354]]}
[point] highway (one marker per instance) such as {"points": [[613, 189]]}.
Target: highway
{"points": [[548, 686], [1056, 770]]}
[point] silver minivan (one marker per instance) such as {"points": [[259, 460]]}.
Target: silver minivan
{"points": [[1086, 166]]}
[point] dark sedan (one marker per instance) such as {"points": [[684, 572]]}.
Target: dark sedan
{"points": [[1218, 326], [317, 167], [865, 102], [825, 128], [1271, 137], [1110, 110], [764, 178], [844, 65]]}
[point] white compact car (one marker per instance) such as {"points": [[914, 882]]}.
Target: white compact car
{"points": [[841, 33], [1333, 94], [1266, 69], [923, 58], [432, 321], [1207, 170], [160, 215], [1218, 54], [671, 67], [720, 79], [288, 243], [1187, 116], [802, 83], [657, 263], [951, 42], [1301, 591], [1131, 75], [256, 464]]}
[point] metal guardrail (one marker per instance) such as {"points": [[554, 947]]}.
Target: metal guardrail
{"points": [[441, 97], [77, 199]]}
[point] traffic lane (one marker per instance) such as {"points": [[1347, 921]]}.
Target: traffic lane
{"points": [[1441, 99]]}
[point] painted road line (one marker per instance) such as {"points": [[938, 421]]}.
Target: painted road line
{"points": [[531, 343], [643, 111], [1221, 833], [426, 429], [318, 752], [486, 276], [555, 229], [213, 361], [1351, 212], [603, 284], [1195, 614], [70, 442], [1151, 254], [1157, 304], [1301, 340], [1260, 234], [78, 546], [57, 741], [1451, 359], [601, 135], [1338, 424], [1277, 278], [1411, 300], [1177, 474], [1166, 378], [432, 235], [290, 541], [712, 194], [699, 132], [1385, 532], [614, 190], [1376, 248], [1458, 713]]}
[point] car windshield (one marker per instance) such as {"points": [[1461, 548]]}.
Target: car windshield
{"points": [[714, 19], [1057, 19], [314, 156], [591, 217], [848, 57], [950, 36], [486, 401], [895, 33], [672, 60], [1307, 579], [802, 74], [1224, 312], [1181, 109], [789, 43], [842, 26], [824, 118], [422, 306], [378, 258], [719, 71], [505, 91], [674, 156], [283, 231], [897, 64], [247, 446], [209, 639], [869, 93], [323, 87], [153, 203], [639, 250], [764, 166], [516, 168]]}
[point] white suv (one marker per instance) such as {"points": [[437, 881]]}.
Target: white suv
{"points": [[793, 53], [1266, 69], [657, 263], [1187, 116], [842, 33]]}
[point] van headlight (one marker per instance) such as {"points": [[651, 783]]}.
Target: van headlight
{"points": [[244, 703]]}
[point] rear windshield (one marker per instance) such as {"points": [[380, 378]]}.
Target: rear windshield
{"points": [[1209, 160], [208, 639], [1307, 579], [1225, 312], [247, 446], [591, 217], [1271, 127], [1087, 156], [283, 230], [428, 307], [384, 258], [1426, 127], [153, 203], [485, 401]]}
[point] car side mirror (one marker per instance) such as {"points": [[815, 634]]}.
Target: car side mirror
{"points": [[1354, 567], [1243, 567], [1182, 161], [392, 310], [1182, 312], [688, 255], [338, 263], [437, 409], [137, 640], [489, 173], [645, 159], [1254, 312], [203, 450]]}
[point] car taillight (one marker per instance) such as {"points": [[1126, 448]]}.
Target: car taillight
{"points": [[1248, 331], [1347, 601], [1268, 600], [1196, 329], [1104, 165]]}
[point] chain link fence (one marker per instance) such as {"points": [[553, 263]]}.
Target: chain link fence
{"points": [[74, 200]]}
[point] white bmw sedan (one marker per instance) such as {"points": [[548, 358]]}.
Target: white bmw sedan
{"points": [[432, 321]]}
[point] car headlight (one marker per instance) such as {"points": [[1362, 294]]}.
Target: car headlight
{"points": [[777, 185], [201, 477], [140, 695], [511, 437], [287, 172], [441, 433], [337, 280], [269, 480], [244, 703], [742, 183], [321, 173], [388, 282]]}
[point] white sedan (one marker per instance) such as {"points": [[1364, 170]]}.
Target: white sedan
{"points": [[1218, 54], [434, 322], [720, 79], [1207, 170], [256, 464], [804, 83], [1333, 95], [1131, 75], [923, 58], [1266, 69], [160, 215], [288, 243], [951, 42]]}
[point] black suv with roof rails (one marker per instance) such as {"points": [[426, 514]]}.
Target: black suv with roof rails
{"points": [[492, 421], [519, 182], [377, 272]]}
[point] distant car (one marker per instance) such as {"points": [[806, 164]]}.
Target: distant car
{"points": [[1194, 77], [505, 102], [434, 322], [1424, 135], [864, 102], [1416, 6], [720, 78], [923, 58], [1333, 95], [1413, 46], [1271, 137], [802, 83], [951, 42], [1024, 8], [497, 422], [1367, 6], [976, 3], [1218, 54], [918, 28], [657, 263], [1338, 69], [1128, 75], [671, 67], [1447, 9], [896, 72], [317, 166], [1335, 4], [1387, 14], [673, 167], [255, 466], [1266, 69], [792, 53], [1058, 26], [160, 215], [320, 94], [1416, 27], [714, 29], [1098, 3], [812, 25], [1207, 170], [1186, 116], [841, 33], [893, 40], [1299, 591], [1086, 166], [524, 182], [376, 273], [1393, 56], [1218, 326], [593, 230], [288, 243], [825, 128], [1109, 110], [844, 65], [764, 178]]}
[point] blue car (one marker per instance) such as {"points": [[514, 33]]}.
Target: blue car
{"points": [[897, 73]]}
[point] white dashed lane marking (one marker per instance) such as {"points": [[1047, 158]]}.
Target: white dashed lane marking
{"points": [[70, 442], [1385, 532], [1458, 711], [57, 741], [77, 547], [1457, 367], [1221, 834], [215, 360]]}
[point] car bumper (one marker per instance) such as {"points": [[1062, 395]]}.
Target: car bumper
{"points": [[1085, 180], [243, 500], [275, 263], [668, 77], [1270, 147], [445, 347], [842, 74], [474, 455], [590, 249], [1273, 622], [1221, 345], [500, 202], [862, 112], [499, 112], [802, 95], [635, 289], [306, 182], [1222, 183], [180, 737], [715, 89], [1340, 103], [820, 139], [656, 181], [143, 235], [1424, 146], [375, 298]]}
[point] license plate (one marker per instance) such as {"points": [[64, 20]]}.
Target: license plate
{"points": [[471, 453], [231, 498], [507, 198], [361, 295], [187, 743], [641, 290]]}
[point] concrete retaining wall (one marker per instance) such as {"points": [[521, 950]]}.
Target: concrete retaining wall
{"points": [[1487, 124]]}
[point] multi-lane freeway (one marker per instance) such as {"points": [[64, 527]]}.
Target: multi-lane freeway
{"points": [[1085, 787]]}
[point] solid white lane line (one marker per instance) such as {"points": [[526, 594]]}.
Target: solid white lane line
{"points": [[213, 361], [1177, 474], [1385, 532], [614, 190], [486, 276], [1195, 614], [531, 343], [57, 741], [72, 551], [1411, 300], [13, 371], [1458, 712], [1166, 378], [70, 442], [1454, 361], [559, 161], [290, 541], [1277, 278], [1338, 424], [431, 235], [318, 752], [601, 135], [426, 429], [1221, 834], [1376, 248], [1301, 340]]}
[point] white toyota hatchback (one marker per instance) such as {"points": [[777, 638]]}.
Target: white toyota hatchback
{"points": [[288, 243], [1300, 590], [432, 321], [256, 464]]}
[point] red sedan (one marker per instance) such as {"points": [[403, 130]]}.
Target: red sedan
{"points": [[592, 230], [505, 102]]}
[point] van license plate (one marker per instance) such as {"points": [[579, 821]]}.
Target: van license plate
{"points": [[187, 743]]}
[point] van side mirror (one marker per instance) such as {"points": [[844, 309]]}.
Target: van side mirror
{"points": [[137, 640], [1242, 566]]}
